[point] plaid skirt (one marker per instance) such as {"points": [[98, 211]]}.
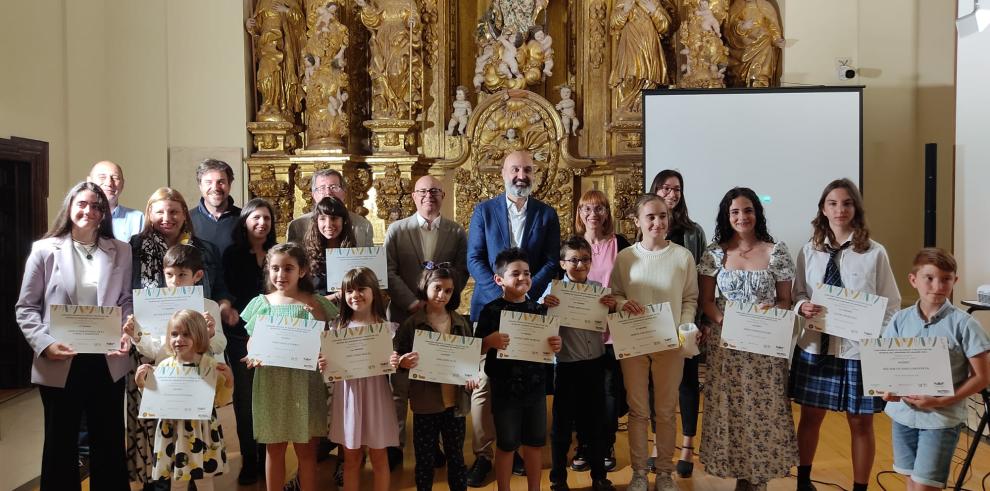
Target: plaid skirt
{"points": [[832, 383]]}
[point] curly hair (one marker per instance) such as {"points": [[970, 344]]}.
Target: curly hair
{"points": [[723, 227], [316, 244]]}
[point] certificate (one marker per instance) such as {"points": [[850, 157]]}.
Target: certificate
{"points": [[528, 335], [340, 261], [178, 392], [579, 306], [634, 335], [288, 342], [445, 358], [906, 366], [357, 352], [848, 313], [86, 328], [153, 307], [747, 327]]}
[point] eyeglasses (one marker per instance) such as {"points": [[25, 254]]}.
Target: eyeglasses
{"points": [[593, 209], [669, 189], [430, 265], [578, 261], [332, 188], [431, 191]]}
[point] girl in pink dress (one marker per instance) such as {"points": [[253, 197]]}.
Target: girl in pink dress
{"points": [[362, 413]]}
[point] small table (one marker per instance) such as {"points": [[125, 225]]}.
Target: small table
{"points": [[975, 306]]}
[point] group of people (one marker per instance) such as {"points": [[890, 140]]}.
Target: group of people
{"points": [[97, 251]]}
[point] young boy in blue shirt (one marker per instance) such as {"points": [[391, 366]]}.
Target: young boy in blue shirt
{"points": [[579, 383], [925, 429], [518, 388]]}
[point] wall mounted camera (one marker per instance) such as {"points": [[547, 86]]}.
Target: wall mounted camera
{"points": [[845, 70]]}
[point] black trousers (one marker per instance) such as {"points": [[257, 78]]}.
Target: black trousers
{"points": [[689, 396], [243, 378], [578, 404], [427, 429], [615, 395], [88, 389]]}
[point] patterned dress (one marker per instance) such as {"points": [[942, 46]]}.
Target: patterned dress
{"points": [[288, 405], [748, 430], [191, 449]]}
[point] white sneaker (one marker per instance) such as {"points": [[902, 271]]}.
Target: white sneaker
{"points": [[665, 482], [638, 482]]}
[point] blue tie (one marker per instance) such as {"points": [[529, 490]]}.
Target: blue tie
{"points": [[833, 278]]}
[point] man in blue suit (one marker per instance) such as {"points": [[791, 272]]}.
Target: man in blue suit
{"points": [[512, 219]]}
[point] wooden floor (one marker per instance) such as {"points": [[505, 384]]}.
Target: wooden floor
{"points": [[832, 464]]}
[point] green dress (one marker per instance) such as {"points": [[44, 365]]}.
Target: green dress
{"points": [[288, 405]]}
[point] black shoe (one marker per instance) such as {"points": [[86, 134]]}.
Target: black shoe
{"points": [[439, 459], [602, 485], [610, 459], [247, 476], [518, 466], [651, 465], [806, 486], [479, 472], [579, 463], [323, 449], [559, 486], [394, 458], [338, 472], [685, 468]]}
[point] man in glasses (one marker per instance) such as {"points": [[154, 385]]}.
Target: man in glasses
{"points": [[326, 183], [424, 239]]}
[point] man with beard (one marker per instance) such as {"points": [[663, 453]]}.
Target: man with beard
{"points": [[512, 219], [216, 216], [423, 240]]}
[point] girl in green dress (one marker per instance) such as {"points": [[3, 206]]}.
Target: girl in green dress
{"points": [[289, 405]]}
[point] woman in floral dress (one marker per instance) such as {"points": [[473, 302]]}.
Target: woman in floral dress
{"points": [[748, 430]]}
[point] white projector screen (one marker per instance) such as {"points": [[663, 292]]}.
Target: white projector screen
{"points": [[786, 144]]}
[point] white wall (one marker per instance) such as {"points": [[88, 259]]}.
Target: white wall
{"points": [[972, 232], [22, 423]]}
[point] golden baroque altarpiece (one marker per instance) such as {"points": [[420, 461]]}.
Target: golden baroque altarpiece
{"points": [[386, 91]]}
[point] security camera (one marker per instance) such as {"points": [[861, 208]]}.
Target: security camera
{"points": [[845, 71]]}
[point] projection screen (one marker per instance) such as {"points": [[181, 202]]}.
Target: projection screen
{"points": [[784, 143]]}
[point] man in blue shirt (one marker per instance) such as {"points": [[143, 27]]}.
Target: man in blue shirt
{"points": [[216, 216], [110, 177]]}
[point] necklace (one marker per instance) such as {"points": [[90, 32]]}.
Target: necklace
{"points": [[88, 249]]}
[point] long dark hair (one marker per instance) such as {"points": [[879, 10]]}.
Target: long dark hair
{"points": [[679, 218], [821, 229], [723, 228], [63, 222], [240, 234], [292, 250], [316, 244], [360, 277]]}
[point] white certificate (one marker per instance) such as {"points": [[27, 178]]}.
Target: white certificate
{"points": [[178, 392], [153, 307], [634, 335], [340, 261], [357, 352], [445, 358], [579, 305], [528, 335], [288, 342], [86, 328], [906, 366], [848, 313], [747, 327]]}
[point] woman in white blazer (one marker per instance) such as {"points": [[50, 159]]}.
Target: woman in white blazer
{"points": [[78, 262]]}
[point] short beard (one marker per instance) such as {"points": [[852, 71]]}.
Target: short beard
{"points": [[513, 190]]}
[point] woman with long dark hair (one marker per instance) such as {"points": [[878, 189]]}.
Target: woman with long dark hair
{"points": [[669, 185], [330, 229], [78, 262], [748, 430], [243, 266]]}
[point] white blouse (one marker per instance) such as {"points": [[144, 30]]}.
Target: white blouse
{"points": [[87, 272], [868, 272]]}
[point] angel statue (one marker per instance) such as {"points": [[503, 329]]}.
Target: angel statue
{"points": [[638, 62], [700, 35], [279, 32], [568, 115], [462, 111]]}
